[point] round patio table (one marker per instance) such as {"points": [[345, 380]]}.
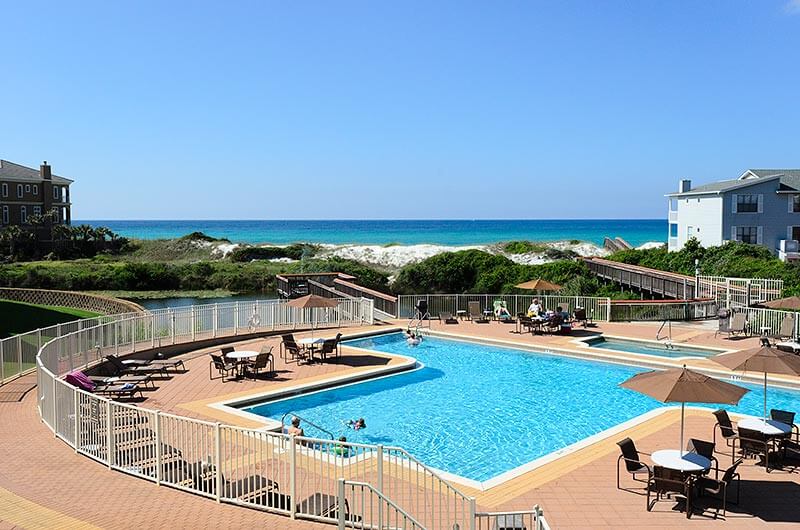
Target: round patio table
{"points": [[769, 427], [680, 460], [240, 356], [309, 341]]}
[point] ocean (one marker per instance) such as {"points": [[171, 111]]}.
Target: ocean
{"points": [[402, 232]]}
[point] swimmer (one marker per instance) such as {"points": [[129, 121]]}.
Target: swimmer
{"points": [[295, 428], [412, 339], [357, 424], [342, 450]]}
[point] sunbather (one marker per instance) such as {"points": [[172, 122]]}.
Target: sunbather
{"points": [[535, 309]]}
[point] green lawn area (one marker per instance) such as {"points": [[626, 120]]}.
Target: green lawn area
{"points": [[19, 317]]}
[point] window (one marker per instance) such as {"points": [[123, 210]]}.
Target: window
{"points": [[23, 214], [55, 215], [794, 233], [27, 188], [747, 203], [5, 189], [36, 189], [673, 205], [673, 230], [19, 191], [794, 203], [5, 215], [55, 192], [37, 210], [747, 234]]}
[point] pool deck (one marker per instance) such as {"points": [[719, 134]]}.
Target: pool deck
{"points": [[46, 484]]}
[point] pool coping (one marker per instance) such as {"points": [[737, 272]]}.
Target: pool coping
{"points": [[585, 343]]}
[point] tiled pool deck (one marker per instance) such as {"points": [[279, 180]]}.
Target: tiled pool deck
{"points": [[44, 484]]}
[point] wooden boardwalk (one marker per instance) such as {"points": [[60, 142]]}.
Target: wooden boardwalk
{"points": [[657, 282]]}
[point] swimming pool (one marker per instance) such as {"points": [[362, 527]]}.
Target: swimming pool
{"points": [[478, 411], [649, 348]]}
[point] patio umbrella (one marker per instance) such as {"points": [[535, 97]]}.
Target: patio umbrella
{"points": [[764, 359], [538, 285], [684, 386], [791, 303], [312, 301]]}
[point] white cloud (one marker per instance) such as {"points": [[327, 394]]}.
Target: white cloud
{"points": [[792, 7]]}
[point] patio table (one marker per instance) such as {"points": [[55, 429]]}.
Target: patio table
{"points": [[768, 428], [311, 343], [678, 460], [241, 357]]}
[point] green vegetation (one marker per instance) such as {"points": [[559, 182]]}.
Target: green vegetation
{"points": [[523, 247], [475, 271], [731, 259], [19, 317], [295, 252]]}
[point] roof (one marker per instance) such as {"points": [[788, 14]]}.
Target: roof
{"points": [[789, 181], [12, 171]]}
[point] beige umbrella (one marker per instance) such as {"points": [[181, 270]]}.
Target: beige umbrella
{"points": [[538, 285], [684, 386], [312, 301], [764, 359], [791, 303]]}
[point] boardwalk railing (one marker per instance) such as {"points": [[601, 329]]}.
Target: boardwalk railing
{"points": [[739, 292], [597, 308], [648, 310], [294, 476]]}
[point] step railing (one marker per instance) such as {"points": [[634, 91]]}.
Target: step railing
{"points": [[527, 519], [366, 507]]}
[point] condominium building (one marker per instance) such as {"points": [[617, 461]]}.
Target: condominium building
{"points": [[25, 192], [762, 207]]}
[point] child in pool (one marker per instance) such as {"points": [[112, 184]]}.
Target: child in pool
{"points": [[357, 425]]}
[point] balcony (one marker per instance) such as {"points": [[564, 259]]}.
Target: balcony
{"points": [[788, 250], [673, 217]]}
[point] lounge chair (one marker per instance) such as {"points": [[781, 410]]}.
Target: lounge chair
{"points": [[719, 486], [665, 481], [737, 325], [786, 331], [166, 363], [223, 365], [633, 463], [261, 362], [447, 318], [501, 311], [726, 430], [143, 380], [476, 314], [121, 368], [123, 390]]}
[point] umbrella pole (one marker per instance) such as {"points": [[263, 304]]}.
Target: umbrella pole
{"points": [[765, 397], [680, 447]]}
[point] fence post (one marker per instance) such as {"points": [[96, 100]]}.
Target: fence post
{"points": [[75, 421], [19, 354], [153, 331], [116, 338], [109, 435], [236, 318], [215, 314], [379, 486], [293, 478], [472, 516], [133, 335], [218, 462], [2, 363], [193, 326], [55, 411], [159, 457], [172, 325], [340, 504]]}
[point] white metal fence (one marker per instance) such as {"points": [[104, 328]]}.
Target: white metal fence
{"points": [[768, 321], [519, 520], [297, 477], [597, 308], [738, 292]]}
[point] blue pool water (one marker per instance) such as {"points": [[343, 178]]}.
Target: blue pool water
{"points": [[633, 346], [478, 411]]}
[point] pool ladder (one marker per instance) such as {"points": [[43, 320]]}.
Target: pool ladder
{"points": [[668, 337], [283, 424]]}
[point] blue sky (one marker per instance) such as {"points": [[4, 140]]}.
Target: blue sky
{"points": [[279, 110]]}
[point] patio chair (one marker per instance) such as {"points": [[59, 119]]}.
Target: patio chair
{"points": [[718, 487], [223, 365], [289, 347], [264, 359], [122, 390], [633, 463], [143, 379], [120, 368], [476, 314], [756, 444], [328, 347], [702, 448], [784, 416], [501, 312], [447, 318], [580, 316], [726, 430], [665, 481], [525, 322], [554, 323], [166, 363]]}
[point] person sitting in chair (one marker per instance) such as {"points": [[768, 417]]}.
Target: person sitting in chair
{"points": [[535, 309]]}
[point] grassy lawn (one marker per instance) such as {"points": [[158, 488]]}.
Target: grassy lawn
{"points": [[19, 317]]}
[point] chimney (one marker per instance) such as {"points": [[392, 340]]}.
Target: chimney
{"points": [[44, 171], [684, 185]]}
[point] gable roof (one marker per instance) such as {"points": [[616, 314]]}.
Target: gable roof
{"points": [[789, 181], [17, 172]]}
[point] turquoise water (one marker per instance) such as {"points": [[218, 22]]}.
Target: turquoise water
{"points": [[478, 411], [404, 232], [643, 348]]}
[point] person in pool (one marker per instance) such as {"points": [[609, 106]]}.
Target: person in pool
{"points": [[341, 450], [357, 425], [295, 429], [412, 339]]}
